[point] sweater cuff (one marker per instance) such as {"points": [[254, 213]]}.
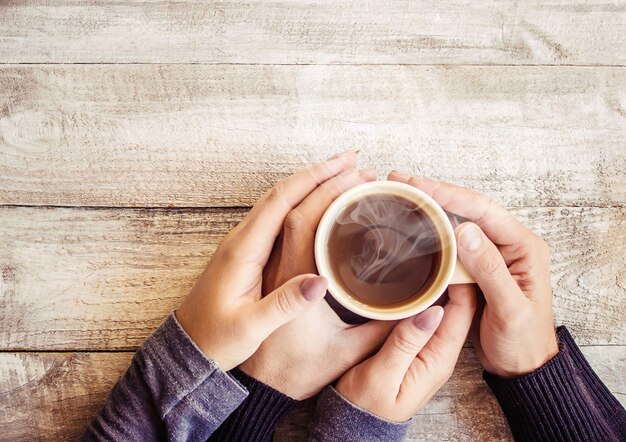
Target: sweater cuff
{"points": [[338, 419], [190, 391], [257, 417], [562, 400]]}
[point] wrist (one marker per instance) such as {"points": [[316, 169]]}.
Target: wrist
{"points": [[290, 377], [276, 378], [524, 362]]}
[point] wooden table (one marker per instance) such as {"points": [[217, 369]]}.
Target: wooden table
{"points": [[135, 134]]}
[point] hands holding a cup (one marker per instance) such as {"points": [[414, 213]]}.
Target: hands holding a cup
{"points": [[227, 313], [259, 302], [514, 330]]}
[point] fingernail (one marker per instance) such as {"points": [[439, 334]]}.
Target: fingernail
{"points": [[367, 173], [470, 237], [337, 155], [428, 185], [314, 288], [350, 171], [429, 319], [401, 174]]}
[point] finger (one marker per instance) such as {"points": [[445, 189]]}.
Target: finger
{"points": [[483, 261], [435, 362], [365, 339], [301, 223], [310, 211], [451, 334], [285, 303], [474, 332], [262, 225], [499, 225], [404, 343]]}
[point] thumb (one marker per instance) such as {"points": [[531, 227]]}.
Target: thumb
{"points": [[286, 302], [404, 343], [482, 259]]}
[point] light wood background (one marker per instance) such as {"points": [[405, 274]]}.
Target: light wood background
{"points": [[135, 134]]}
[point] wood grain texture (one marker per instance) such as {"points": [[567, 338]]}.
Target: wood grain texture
{"points": [[52, 396], [104, 279], [320, 31], [159, 136]]}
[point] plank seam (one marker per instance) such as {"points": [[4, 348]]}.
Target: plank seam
{"points": [[592, 66], [199, 208]]}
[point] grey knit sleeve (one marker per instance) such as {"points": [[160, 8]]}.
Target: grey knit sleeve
{"points": [[170, 392], [337, 419]]}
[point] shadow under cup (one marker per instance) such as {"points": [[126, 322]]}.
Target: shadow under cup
{"points": [[387, 249]]}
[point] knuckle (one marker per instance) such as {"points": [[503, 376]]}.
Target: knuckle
{"points": [[404, 343], [294, 220], [284, 303], [432, 368], [490, 264], [513, 319], [226, 249], [490, 206], [412, 376], [277, 191]]}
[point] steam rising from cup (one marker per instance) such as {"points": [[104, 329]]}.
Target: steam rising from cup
{"points": [[388, 234]]}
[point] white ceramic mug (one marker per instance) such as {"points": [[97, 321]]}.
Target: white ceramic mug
{"points": [[450, 270]]}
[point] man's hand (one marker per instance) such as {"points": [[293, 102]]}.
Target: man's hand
{"points": [[514, 333]]}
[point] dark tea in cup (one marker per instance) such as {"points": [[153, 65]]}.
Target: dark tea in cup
{"points": [[383, 250], [387, 249]]}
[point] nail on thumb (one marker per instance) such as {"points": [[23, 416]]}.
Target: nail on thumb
{"points": [[314, 288]]}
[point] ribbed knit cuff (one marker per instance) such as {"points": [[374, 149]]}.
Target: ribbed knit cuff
{"points": [[256, 418], [564, 400], [339, 420]]}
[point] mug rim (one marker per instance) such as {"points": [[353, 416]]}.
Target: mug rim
{"points": [[402, 190]]}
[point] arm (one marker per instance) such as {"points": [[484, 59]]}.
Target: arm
{"points": [[545, 386], [176, 387], [562, 400], [171, 390], [312, 350]]}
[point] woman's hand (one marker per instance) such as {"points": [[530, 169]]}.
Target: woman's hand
{"points": [[311, 351], [415, 361], [224, 313], [515, 333]]}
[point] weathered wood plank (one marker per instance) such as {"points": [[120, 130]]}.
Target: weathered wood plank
{"points": [[321, 31], [103, 279], [52, 396], [180, 135]]}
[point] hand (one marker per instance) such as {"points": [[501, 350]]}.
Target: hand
{"points": [[224, 313], [311, 351], [515, 330], [413, 363]]}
